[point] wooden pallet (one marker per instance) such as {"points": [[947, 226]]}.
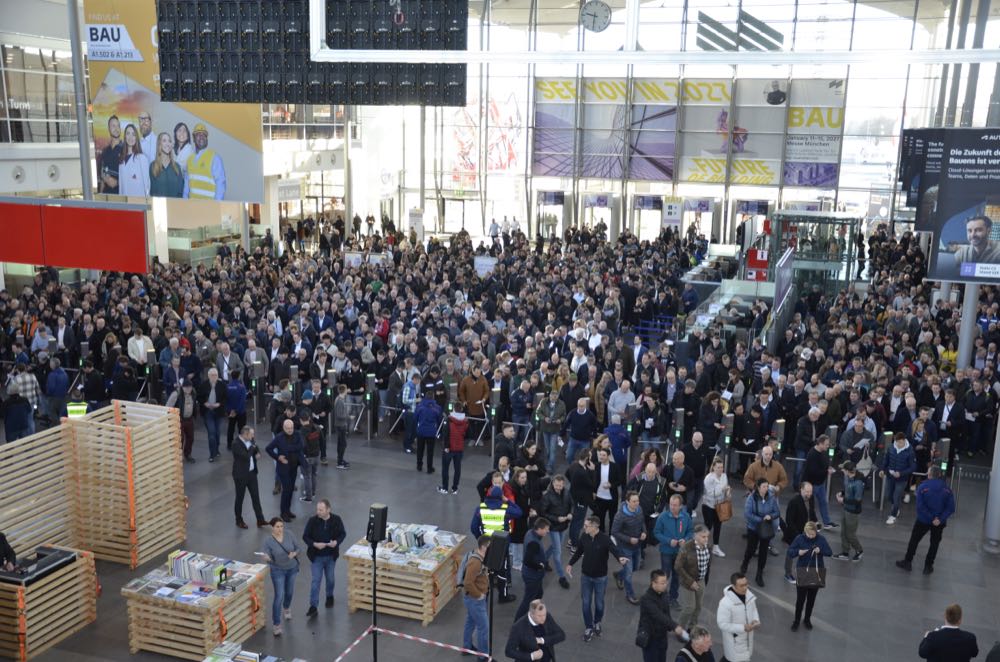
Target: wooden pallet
{"points": [[36, 617], [191, 632], [406, 592]]}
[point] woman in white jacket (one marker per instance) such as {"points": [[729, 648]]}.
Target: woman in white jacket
{"points": [[716, 491], [737, 618], [133, 171]]}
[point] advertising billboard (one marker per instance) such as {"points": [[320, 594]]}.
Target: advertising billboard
{"points": [[815, 128], [146, 147], [966, 219]]}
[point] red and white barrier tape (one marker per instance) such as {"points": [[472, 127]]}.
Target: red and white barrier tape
{"points": [[347, 651], [409, 637]]}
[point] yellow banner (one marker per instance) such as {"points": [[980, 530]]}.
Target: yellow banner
{"points": [[644, 90], [123, 61]]}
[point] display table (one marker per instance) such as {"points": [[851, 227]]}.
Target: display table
{"points": [[230, 651], [416, 571], [47, 603], [182, 610]]}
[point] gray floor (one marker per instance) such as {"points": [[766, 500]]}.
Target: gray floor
{"points": [[869, 611]]}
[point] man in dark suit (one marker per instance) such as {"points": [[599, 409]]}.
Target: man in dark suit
{"points": [[949, 643], [534, 636], [949, 416], [246, 457], [609, 478]]}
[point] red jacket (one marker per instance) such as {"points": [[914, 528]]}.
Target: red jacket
{"points": [[458, 425]]}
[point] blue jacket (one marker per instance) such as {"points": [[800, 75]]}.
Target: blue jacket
{"points": [[620, 442], [290, 447], [236, 397], [754, 510], [669, 528], [904, 461], [17, 413], [934, 499], [428, 416], [802, 541], [57, 384], [520, 402]]}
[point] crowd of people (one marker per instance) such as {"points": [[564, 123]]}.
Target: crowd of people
{"points": [[544, 353]]}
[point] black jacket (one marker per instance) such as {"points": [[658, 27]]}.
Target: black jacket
{"points": [[616, 476], [687, 480], [241, 460], [948, 645], [654, 614], [595, 553], [220, 396], [816, 468], [581, 484], [319, 531], [522, 641], [553, 506], [6, 551], [797, 513]]}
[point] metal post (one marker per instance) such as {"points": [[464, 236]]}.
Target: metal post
{"points": [[423, 158], [991, 528], [967, 331], [80, 94], [956, 73], [348, 183]]}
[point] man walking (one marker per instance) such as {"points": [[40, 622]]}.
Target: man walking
{"points": [[935, 504], [738, 618], [673, 528], [246, 455], [557, 507], [817, 471], [629, 530], [212, 396], [655, 620], [534, 636], [693, 564], [428, 419], [323, 535], [594, 548], [852, 497], [533, 565], [476, 588]]}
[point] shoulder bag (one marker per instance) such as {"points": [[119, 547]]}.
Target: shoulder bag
{"points": [[811, 576], [765, 529], [642, 637]]}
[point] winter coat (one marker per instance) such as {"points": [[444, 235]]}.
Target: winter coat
{"points": [[904, 461], [756, 509], [627, 526], [458, 425], [686, 565], [341, 414], [553, 506], [555, 412], [428, 415], [731, 616], [670, 528]]}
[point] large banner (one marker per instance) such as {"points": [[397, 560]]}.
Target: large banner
{"points": [[146, 147], [815, 128], [966, 222], [605, 123]]}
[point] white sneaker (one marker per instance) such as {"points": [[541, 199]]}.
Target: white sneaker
{"points": [[890, 520], [718, 552], [906, 498], [287, 614]]}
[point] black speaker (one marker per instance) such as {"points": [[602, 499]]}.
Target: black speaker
{"points": [[378, 517], [496, 553]]}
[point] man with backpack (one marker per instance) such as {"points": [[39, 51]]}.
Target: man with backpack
{"points": [[475, 582]]}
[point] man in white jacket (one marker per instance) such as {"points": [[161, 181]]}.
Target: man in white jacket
{"points": [[737, 618]]}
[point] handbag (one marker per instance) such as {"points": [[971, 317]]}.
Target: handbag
{"points": [[865, 464], [811, 577], [724, 510], [642, 637], [765, 529]]}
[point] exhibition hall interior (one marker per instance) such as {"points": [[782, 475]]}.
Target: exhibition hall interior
{"points": [[344, 330]]}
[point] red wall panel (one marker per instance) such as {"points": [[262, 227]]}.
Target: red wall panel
{"points": [[21, 234], [112, 240]]}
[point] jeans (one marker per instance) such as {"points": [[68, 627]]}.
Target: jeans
{"points": [[523, 425], [321, 565], [650, 441], [383, 397], [592, 589], [411, 430], [212, 428], [799, 468], [554, 553], [573, 447], [284, 583], [550, 443], [309, 477], [634, 556], [894, 489], [667, 565], [576, 524], [446, 460], [341, 444], [476, 620], [516, 555], [823, 503]]}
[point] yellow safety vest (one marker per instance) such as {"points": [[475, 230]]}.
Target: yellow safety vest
{"points": [[201, 184], [76, 409], [493, 518]]}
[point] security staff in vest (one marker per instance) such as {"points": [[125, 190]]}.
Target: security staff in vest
{"points": [[77, 406], [206, 176], [497, 513]]}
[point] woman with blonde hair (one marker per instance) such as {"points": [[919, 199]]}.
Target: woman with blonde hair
{"points": [[166, 179]]}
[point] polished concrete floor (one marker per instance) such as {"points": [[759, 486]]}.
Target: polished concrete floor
{"points": [[869, 611]]}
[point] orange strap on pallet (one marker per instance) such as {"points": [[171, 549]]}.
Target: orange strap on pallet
{"points": [[118, 411], [22, 626], [223, 627], [254, 607], [130, 480]]}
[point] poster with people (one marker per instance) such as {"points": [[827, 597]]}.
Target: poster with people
{"points": [[146, 147], [966, 217]]}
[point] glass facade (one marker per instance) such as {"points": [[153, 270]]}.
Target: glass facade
{"points": [[36, 95]]}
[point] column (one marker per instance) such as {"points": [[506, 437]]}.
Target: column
{"points": [[967, 331]]}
